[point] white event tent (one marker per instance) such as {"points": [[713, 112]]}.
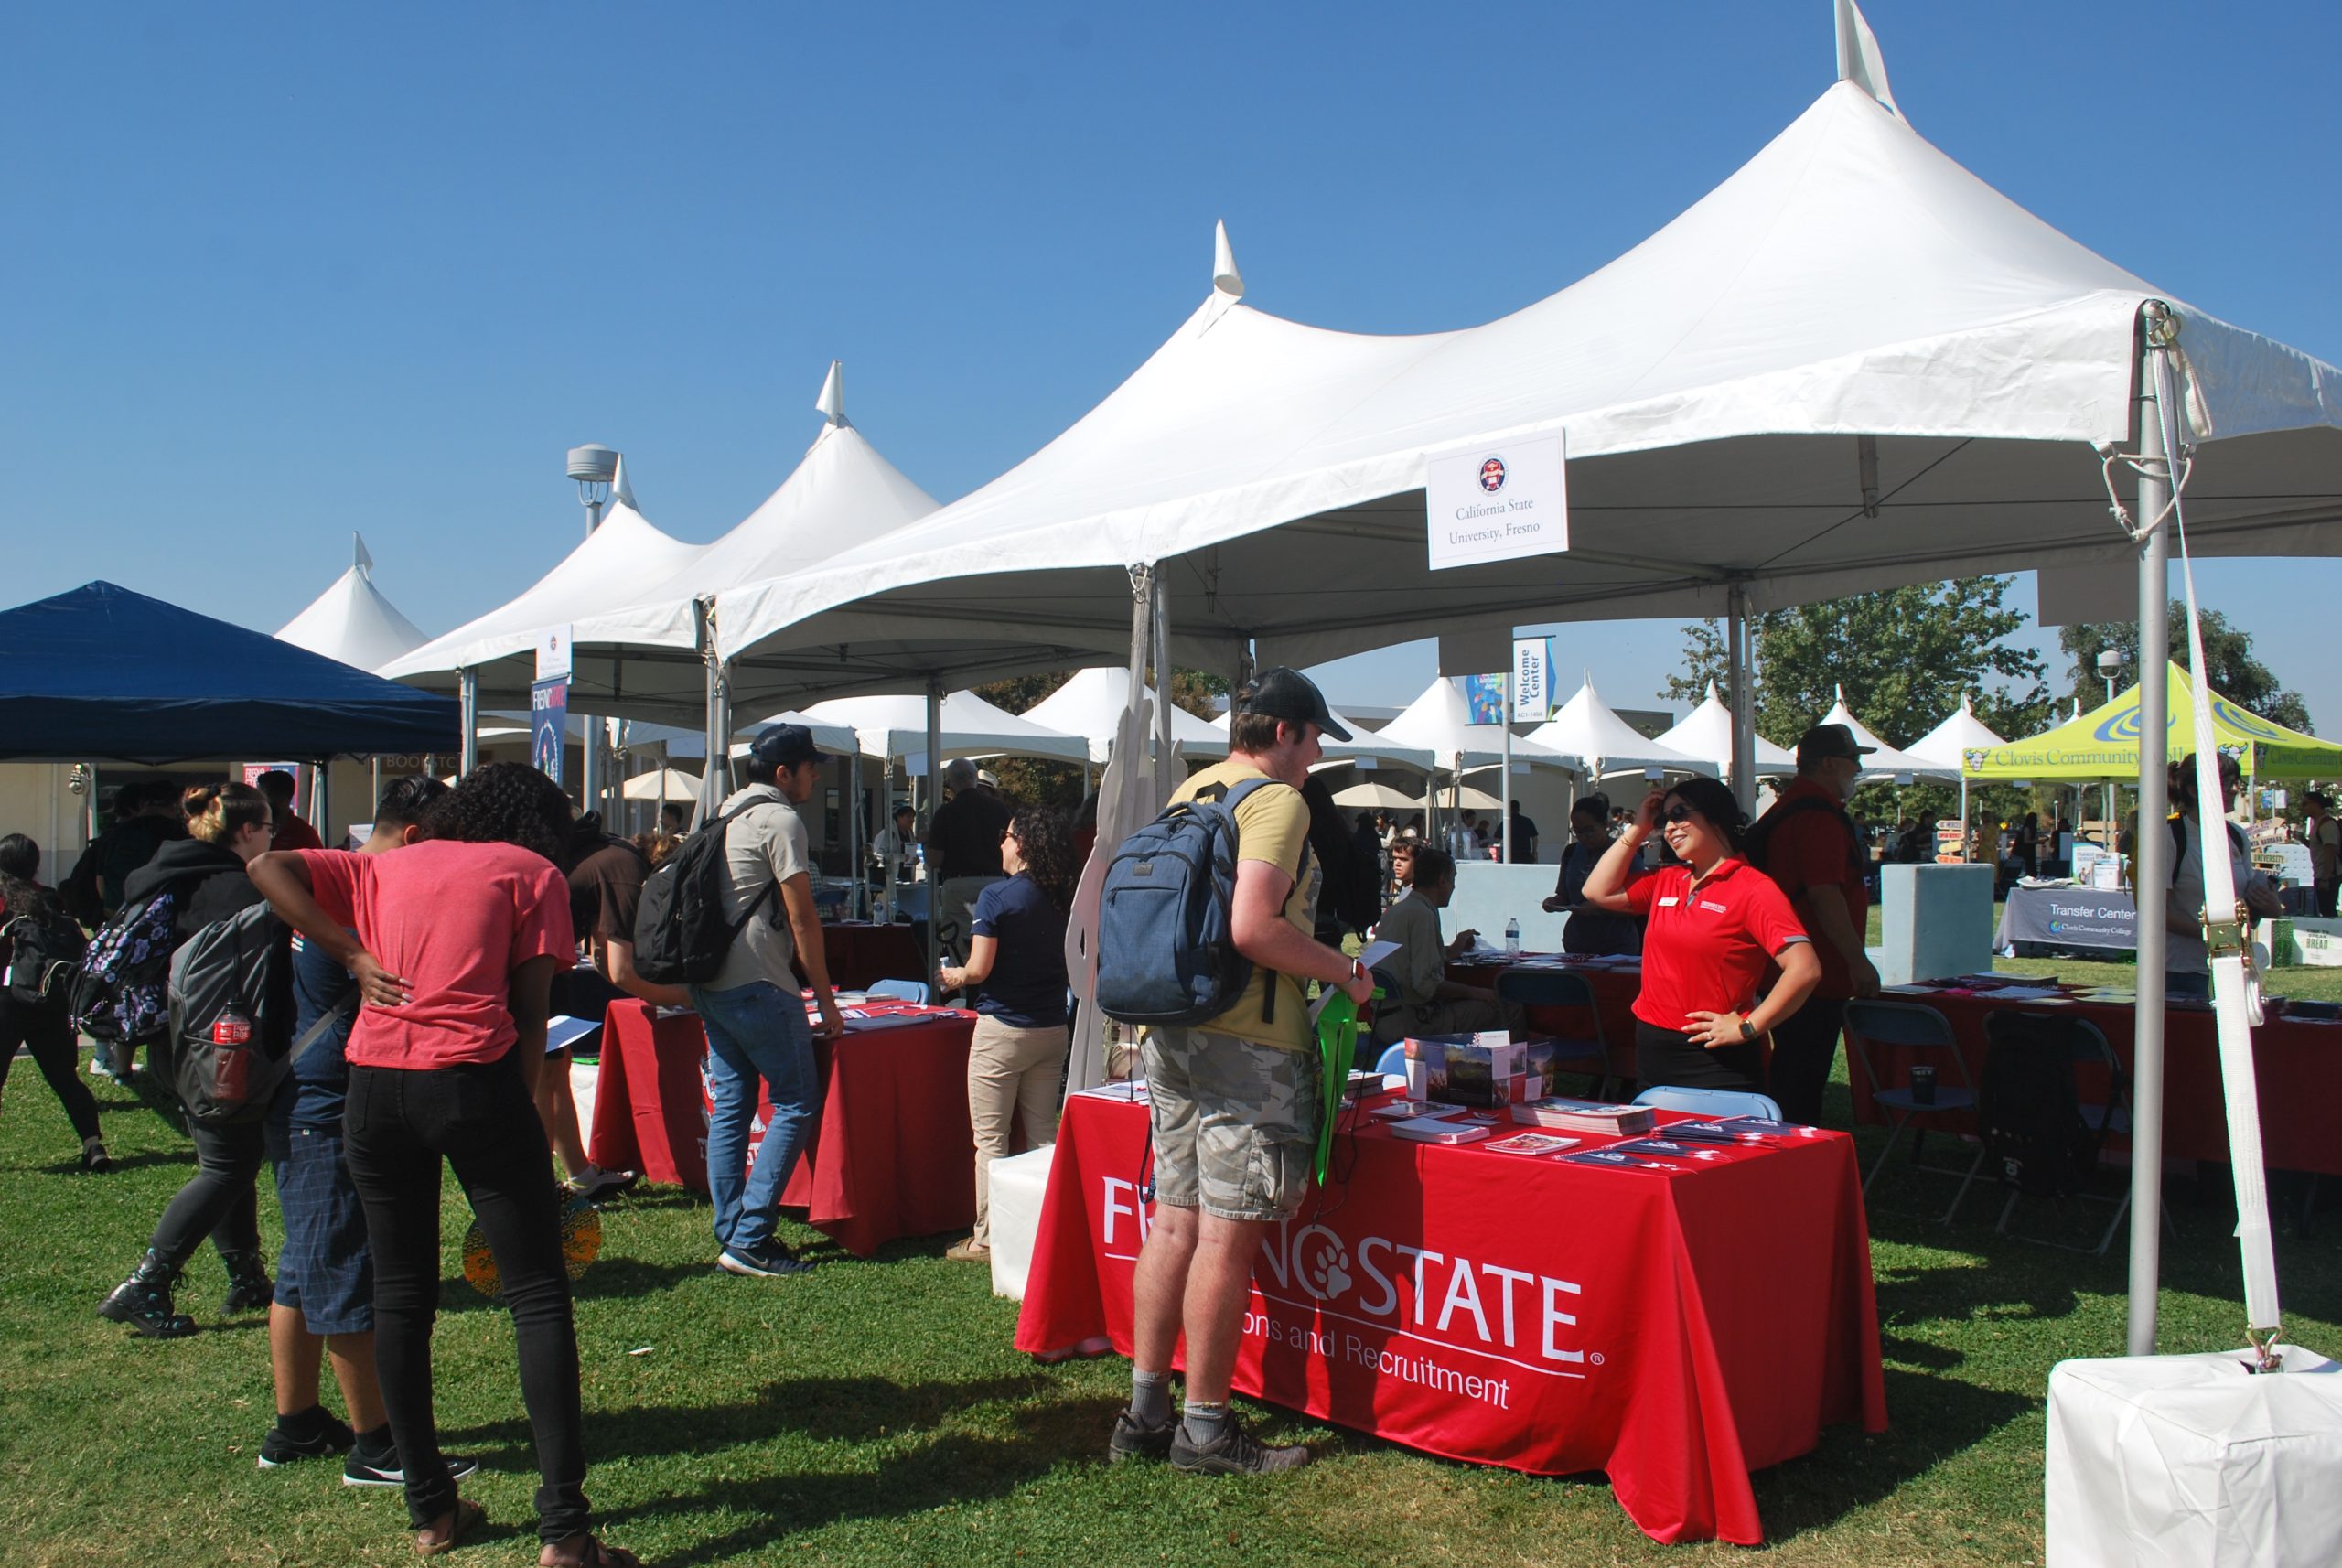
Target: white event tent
{"points": [[1366, 747], [1886, 762], [1091, 705], [1706, 733], [1946, 747], [1853, 365], [1587, 726], [351, 621], [892, 727], [1440, 721]]}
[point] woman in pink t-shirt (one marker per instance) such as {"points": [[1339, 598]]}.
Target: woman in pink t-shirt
{"points": [[457, 942]]}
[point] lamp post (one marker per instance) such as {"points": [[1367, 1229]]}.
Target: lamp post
{"points": [[596, 469], [2111, 662]]}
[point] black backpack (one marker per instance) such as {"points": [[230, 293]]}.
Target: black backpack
{"points": [[117, 993], [45, 949], [681, 931], [2029, 1112], [228, 983]]}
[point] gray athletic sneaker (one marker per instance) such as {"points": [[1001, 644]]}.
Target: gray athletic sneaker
{"points": [[1235, 1453], [1132, 1441]]}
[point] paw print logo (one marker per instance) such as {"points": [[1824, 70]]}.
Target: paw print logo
{"points": [[1327, 1272]]}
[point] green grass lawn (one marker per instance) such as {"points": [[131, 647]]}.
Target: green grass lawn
{"points": [[875, 1412]]}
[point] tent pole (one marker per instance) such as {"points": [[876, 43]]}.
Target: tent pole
{"points": [[589, 771], [373, 783], [710, 792], [934, 803], [321, 797], [1504, 793], [2152, 874], [1159, 615], [886, 805], [468, 698], [860, 884], [1743, 700]]}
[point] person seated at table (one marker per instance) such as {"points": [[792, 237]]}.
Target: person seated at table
{"points": [[1017, 962], [1589, 930], [1402, 865], [2187, 964], [1714, 924], [894, 853], [1428, 1002]]}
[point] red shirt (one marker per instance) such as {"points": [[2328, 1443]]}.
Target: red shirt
{"points": [[292, 832], [454, 920], [1813, 848], [1705, 951]]}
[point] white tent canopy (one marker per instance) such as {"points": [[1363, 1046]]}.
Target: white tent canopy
{"points": [[1377, 796], [834, 739], [1587, 726], [1945, 745], [663, 784], [1706, 733], [895, 727], [1440, 721], [1091, 705], [1376, 746], [1887, 762], [353, 622]]}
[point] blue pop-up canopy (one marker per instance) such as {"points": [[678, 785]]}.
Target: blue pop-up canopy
{"points": [[102, 673]]}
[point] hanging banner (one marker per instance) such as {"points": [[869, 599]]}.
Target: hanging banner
{"points": [[1497, 502], [1532, 680], [252, 770], [1484, 699], [552, 654], [549, 725]]}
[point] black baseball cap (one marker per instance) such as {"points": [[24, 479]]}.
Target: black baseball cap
{"points": [[782, 745], [1288, 695], [1830, 740]]}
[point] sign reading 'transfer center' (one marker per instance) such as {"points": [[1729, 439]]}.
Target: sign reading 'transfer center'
{"points": [[1497, 501]]}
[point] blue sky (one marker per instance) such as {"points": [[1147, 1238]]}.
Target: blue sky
{"points": [[279, 273]]}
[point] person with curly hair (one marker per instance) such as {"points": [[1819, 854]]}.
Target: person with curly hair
{"points": [[454, 942], [1016, 964]]}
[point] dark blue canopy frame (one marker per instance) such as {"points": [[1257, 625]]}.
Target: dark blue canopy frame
{"points": [[104, 674]]}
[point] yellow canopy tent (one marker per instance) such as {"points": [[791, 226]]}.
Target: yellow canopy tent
{"points": [[2104, 744]]}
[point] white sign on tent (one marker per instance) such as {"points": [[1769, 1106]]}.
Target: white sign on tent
{"points": [[1532, 680], [1497, 502]]}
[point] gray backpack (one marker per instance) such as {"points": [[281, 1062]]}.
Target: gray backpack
{"points": [[228, 983]]}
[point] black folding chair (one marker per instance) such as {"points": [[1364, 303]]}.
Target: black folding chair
{"points": [[2077, 1043], [1922, 1031], [1588, 1054]]}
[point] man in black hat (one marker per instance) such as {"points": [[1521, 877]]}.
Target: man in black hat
{"points": [[1808, 845], [754, 1015], [1235, 1099]]}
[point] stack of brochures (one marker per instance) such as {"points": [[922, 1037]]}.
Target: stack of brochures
{"points": [[1439, 1129], [1585, 1116], [1531, 1143]]}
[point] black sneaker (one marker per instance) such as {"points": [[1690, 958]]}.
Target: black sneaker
{"points": [[771, 1261], [382, 1469], [1234, 1453], [280, 1447], [1132, 1441]]}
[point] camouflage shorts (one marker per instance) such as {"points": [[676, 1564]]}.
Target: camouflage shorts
{"points": [[1235, 1124]]}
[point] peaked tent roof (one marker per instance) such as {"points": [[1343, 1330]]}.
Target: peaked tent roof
{"points": [[1364, 745], [1440, 721], [1587, 726], [1886, 760], [1091, 705], [1946, 745], [1851, 365], [1706, 733], [897, 726], [103, 673], [2104, 743], [351, 622]]}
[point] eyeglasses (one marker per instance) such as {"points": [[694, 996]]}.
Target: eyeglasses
{"points": [[1680, 813]]}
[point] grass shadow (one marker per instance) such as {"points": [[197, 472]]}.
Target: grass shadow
{"points": [[1850, 1470], [71, 1165]]}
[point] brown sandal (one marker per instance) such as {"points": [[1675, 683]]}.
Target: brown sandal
{"points": [[594, 1555], [468, 1516]]}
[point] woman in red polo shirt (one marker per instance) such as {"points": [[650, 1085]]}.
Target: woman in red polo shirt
{"points": [[1715, 926], [456, 939]]}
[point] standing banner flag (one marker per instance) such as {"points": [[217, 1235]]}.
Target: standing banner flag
{"points": [[1497, 502], [549, 704], [1484, 699], [1532, 680]]}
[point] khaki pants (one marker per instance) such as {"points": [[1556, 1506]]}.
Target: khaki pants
{"points": [[1457, 1015], [1009, 1070]]}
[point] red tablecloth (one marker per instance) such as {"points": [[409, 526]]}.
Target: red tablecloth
{"points": [[862, 952], [1677, 1330], [1614, 990], [2299, 1066], [891, 1155]]}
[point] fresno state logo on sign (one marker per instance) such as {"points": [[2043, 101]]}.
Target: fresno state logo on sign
{"points": [[1492, 475]]}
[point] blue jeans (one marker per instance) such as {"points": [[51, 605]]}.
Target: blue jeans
{"points": [[754, 1031]]}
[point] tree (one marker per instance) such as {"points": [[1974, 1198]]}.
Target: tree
{"points": [[2235, 673]]}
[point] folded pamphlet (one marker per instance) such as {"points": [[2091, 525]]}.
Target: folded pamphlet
{"points": [[1439, 1129], [1535, 1144]]}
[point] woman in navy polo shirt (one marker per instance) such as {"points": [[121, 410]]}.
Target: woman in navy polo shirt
{"points": [[1716, 925], [1017, 962]]}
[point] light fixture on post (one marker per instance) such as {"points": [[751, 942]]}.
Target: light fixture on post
{"points": [[596, 469]]}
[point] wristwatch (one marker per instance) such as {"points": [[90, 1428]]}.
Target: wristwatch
{"points": [[1747, 1029]]}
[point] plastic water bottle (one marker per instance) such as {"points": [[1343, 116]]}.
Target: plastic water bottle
{"points": [[1513, 938]]}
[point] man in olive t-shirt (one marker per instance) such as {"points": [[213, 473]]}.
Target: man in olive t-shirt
{"points": [[1234, 1100]]}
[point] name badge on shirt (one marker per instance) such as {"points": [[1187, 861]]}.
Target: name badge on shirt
{"points": [[1669, 902]]}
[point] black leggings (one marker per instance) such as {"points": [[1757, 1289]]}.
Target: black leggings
{"points": [[221, 1201], [397, 1128], [1664, 1057], [45, 1027]]}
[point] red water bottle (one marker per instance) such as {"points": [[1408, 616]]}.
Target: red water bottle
{"points": [[231, 1035]]}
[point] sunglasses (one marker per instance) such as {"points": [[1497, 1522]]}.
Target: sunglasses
{"points": [[1680, 813]]}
